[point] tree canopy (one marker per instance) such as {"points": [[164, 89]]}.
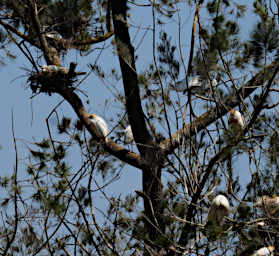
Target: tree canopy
{"points": [[209, 186]]}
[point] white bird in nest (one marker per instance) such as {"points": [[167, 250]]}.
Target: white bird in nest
{"points": [[54, 68], [264, 251], [182, 85], [220, 208], [269, 205], [236, 121], [128, 135], [101, 129]]}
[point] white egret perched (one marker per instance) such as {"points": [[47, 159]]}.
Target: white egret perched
{"points": [[101, 128], [54, 35], [182, 85], [236, 121], [220, 208], [128, 135], [54, 68], [269, 205], [264, 251]]}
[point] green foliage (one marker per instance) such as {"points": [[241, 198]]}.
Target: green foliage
{"points": [[167, 55], [64, 125], [264, 40]]}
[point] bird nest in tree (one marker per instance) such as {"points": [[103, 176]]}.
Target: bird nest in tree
{"points": [[53, 78]]}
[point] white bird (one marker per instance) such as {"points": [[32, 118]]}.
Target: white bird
{"points": [[220, 208], [128, 135], [214, 82], [182, 85], [101, 129], [269, 205], [236, 121], [54, 68], [54, 35], [264, 251]]}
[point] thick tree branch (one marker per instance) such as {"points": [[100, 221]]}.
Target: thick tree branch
{"points": [[18, 33], [50, 53], [151, 179], [111, 147], [93, 40], [221, 109], [129, 75]]}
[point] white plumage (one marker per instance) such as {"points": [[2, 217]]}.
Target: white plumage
{"points": [[265, 251], [101, 128], [54, 68], [236, 120], [269, 205], [182, 85], [54, 35], [214, 82], [219, 209], [128, 135]]}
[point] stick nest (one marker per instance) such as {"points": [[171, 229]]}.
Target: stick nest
{"points": [[50, 80]]}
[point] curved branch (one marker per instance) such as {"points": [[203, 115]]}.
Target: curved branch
{"points": [[93, 40], [110, 146], [18, 33]]}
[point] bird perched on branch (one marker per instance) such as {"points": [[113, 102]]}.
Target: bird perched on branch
{"points": [[100, 127], [220, 208], [264, 251], [196, 84], [128, 135], [236, 121], [181, 86], [269, 205]]}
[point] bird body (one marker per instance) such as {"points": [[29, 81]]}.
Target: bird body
{"points": [[264, 251], [213, 82], [128, 135], [269, 205], [219, 209], [54, 35], [54, 68], [182, 85], [101, 129], [236, 121]]}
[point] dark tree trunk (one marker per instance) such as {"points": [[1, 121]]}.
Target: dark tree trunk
{"points": [[150, 152]]}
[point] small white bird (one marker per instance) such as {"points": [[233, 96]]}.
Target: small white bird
{"points": [[220, 208], [182, 85], [264, 251], [236, 121], [54, 35], [54, 68], [101, 129], [269, 205], [128, 135], [213, 82]]}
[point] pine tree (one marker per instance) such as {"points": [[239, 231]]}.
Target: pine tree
{"points": [[183, 146]]}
